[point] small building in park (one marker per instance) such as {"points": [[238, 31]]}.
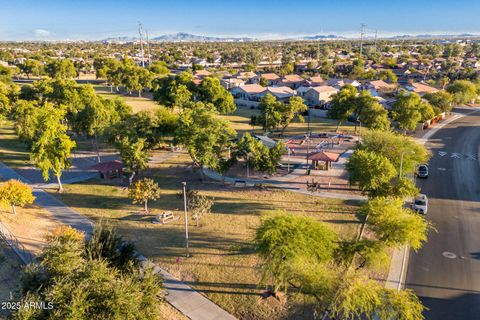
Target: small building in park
{"points": [[110, 169], [323, 156]]}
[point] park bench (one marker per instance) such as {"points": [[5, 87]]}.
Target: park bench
{"points": [[165, 217]]}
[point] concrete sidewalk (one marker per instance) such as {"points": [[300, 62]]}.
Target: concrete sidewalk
{"points": [[179, 295]]}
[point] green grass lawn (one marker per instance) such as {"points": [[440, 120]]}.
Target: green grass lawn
{"points": [[138, 103], [240, 120], [223, 264], [12, 152]]}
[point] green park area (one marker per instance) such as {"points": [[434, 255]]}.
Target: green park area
{"points": [[223, 263]]}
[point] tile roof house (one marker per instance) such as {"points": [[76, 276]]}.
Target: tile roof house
{"points": [[200, 74], [319, 96], [316, 81], [292, 81], [272, 78], [421, 88], [281, 93], [232, 83], [378, 87], [247, 95]]}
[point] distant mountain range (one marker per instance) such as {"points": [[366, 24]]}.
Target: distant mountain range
{"points": [[188, 37], [322, 37]]}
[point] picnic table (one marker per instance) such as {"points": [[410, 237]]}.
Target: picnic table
{"points": [[165, 217]]}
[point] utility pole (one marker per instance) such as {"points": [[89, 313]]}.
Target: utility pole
{"points": [[184, 185], [140, 32], [148, 48], [362, 34]]}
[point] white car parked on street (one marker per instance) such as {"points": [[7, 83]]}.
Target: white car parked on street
{"points": [[420, 204]]}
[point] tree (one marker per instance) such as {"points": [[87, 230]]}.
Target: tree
{"points": [[442, 100], [31, 67], [395, 147], [134, 154], [61, 69], [258, 156], [395, 225], [16, 193], [342, 104], [143, 190], [199, 205], [82, 285], [370, 171], [388, 76], [51, 146], [211, 91], [463, 91], [159, 68], [205, 136], [409, 110], [291, 111], [283, 239], [371, 113], [270, 115]]}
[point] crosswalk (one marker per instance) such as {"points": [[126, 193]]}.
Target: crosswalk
{"points": [[456, 155]]}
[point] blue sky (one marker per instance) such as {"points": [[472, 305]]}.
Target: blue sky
{"points": [[91, 20]]}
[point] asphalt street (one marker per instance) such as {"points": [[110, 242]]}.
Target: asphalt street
{"points": [[445, 273]]}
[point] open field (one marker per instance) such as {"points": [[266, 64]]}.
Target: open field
{"points": [[223, 262], [240, 120], [138, 104]]}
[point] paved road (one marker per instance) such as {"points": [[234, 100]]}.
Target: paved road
{"points": [[445, 273]]}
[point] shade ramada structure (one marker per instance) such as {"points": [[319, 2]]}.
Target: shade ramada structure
{"points": [[109, 169], [323, 156]]}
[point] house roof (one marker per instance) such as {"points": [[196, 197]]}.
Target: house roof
{"points": [[252, 88], [423, 88], [380, 84], [108, 166], [281, 92], [248, 74], [201, 73], [325, 156], [292, 78], [270, 76], [316, 79], [323, 89], [303, 89]]}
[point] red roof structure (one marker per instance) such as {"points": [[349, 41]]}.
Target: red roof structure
{"points": [[109, 166], [324, 156]]}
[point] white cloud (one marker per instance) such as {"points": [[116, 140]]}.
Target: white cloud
{"points": [[42, 33]]}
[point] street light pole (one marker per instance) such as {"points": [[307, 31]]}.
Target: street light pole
{"points": [[184, 184]]}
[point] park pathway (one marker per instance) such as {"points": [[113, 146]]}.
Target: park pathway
{"points": [[181, 296]]}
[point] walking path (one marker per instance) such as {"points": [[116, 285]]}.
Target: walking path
{"points": [[283, 181], [179, 295]]}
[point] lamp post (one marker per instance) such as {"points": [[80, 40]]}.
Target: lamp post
{"points": [[184, 185]]}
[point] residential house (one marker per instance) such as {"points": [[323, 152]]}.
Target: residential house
{"points": [[340, 83], [249, 77], [315, 81], [319, 96], [302, 90], [271, 78], [378, 87], [292, 81], [229, 83], [247, 95], [282, 94], [200, 74], [421, 88]]}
